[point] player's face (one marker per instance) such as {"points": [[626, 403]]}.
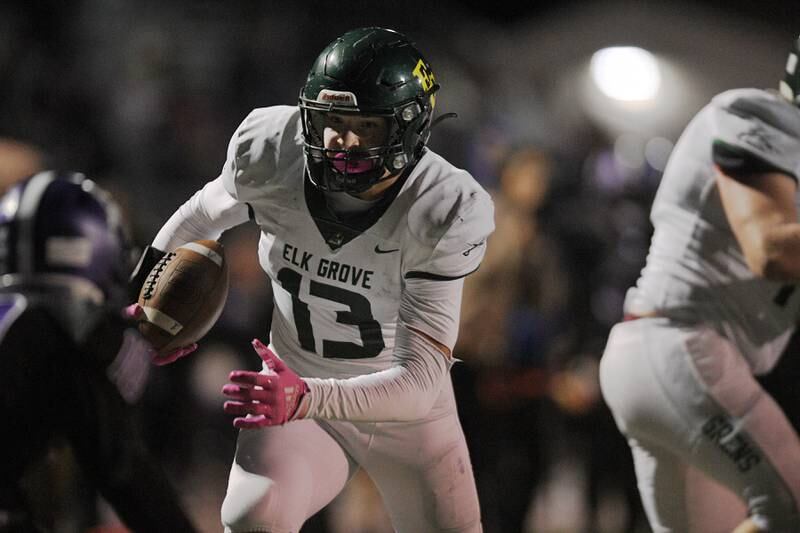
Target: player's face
{"points": [[354, 132]]}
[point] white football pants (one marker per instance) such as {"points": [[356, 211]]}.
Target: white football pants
{"points": [[685, 396], [282, 475]]}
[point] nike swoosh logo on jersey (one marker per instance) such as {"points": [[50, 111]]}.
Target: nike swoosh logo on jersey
{"points": [[379, 251], [466, 252]]}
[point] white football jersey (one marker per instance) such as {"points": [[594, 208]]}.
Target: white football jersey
{"points": [[695, 269], [340, 287]]}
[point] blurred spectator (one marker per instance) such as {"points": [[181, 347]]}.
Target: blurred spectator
{"points": [[18, 160], [512, 315], [604, 230]]}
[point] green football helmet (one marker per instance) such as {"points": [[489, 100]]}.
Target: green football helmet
{"points": [[790, 84], [370, 72]]}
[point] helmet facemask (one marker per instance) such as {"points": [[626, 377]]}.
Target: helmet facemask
{"points": [[357, 169]]}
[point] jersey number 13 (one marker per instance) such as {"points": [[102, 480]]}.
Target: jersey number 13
{"points": [[359, 315]]}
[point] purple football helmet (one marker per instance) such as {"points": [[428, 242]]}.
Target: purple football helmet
{"points": [[59, 227]]}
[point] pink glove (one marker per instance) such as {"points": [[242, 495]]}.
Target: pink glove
{"points": [[260, 400], [135, 312]]}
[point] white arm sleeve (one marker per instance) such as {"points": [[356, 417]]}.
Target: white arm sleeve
{"points": [[208, 213], [434, 308], [404, 392]]}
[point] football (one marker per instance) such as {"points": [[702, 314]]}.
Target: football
{"points": [[183, 295]]}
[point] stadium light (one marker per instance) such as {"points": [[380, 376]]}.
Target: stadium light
{"points": [[626, 73]]}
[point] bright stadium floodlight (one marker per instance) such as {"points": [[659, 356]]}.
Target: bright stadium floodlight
{"points": [[626, 73]]}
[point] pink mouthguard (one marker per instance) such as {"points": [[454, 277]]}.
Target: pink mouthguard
{"points": [[356, 166]]}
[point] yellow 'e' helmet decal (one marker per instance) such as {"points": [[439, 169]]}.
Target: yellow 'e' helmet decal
{"points": [[426, 78]]}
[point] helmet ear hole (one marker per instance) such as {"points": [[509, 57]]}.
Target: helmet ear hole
{"points": [[410, 112], [399, 162]]}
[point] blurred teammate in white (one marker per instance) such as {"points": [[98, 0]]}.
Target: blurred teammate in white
{"points": [[716, 304], [366, 235]]}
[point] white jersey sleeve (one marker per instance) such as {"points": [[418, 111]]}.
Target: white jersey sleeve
{"points": [[431, 301], [253, 164], [754, 133], [450, 225]]}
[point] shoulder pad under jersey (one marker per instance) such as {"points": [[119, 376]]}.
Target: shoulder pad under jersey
{"points": [[450, 219], [255, 149]]}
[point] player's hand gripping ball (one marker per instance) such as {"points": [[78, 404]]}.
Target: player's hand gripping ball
{"points": [[184, 295]]}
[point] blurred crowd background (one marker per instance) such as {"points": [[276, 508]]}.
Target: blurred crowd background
{"points": [[143, 97]]}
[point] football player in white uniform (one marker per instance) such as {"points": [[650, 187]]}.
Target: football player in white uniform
{"points": [[366, 236], [714, 306]]}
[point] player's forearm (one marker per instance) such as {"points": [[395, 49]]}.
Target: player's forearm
{"points": [[208, 213], [404, 392]]}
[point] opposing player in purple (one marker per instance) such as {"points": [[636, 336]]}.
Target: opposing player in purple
{"points": [[366, 235], [70, 364]]}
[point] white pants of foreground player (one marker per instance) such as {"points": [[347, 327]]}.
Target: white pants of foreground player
{"points": [[282, 475], [685, 396]]}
